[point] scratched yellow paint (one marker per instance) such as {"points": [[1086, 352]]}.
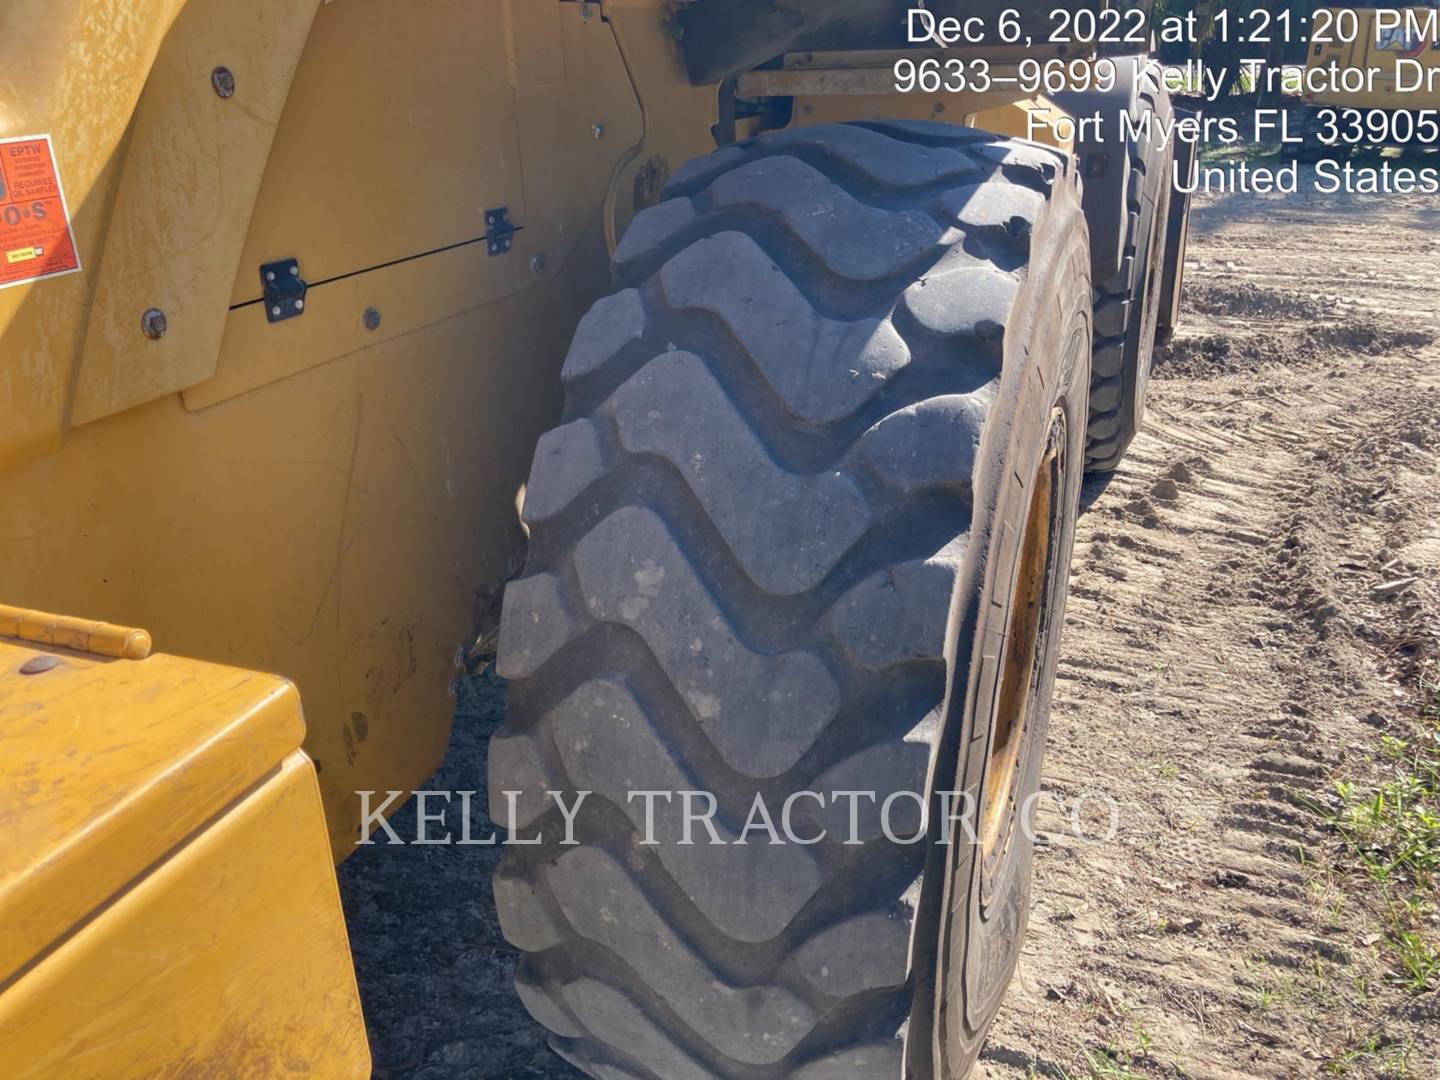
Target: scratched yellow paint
{"points": [[167, 896], [229, 959]]}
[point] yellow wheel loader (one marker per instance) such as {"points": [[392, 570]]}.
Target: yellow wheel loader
{"points": [[729, 360], [1371, 79]]}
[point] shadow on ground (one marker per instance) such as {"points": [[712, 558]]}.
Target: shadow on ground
{"points": [[435, 972]]}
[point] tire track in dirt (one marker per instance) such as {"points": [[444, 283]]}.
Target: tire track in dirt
{"points": [[1225, 656]]}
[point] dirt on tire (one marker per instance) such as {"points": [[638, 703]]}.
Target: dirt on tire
{"points": [[1254, 603]]}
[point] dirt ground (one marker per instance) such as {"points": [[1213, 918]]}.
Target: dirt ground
{"points": [[1255, 597]]}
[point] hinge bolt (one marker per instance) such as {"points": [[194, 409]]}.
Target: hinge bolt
{"points": [[153, 324], [223, 80]]}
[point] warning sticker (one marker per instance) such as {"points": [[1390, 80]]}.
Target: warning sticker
{"points": [[35, 236]]}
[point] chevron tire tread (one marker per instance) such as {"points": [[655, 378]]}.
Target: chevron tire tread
{"points": [[1125, 311], [745, 540]]}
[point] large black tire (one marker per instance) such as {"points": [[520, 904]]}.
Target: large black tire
{"points": [[1177, 238], [1127, 304], [774, 549]]}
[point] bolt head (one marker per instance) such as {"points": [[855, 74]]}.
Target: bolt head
{"points": [[275, 311], [587, 12], [153, 324], [537, 263], [598, 130], [371, 318], [223, 80]]}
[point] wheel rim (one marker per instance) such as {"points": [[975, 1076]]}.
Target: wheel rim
{"points": [[1021, 657], [975, 967]]}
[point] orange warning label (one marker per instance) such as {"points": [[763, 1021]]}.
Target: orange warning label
{"points": [[35, 237]]}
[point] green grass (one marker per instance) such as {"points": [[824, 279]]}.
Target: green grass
{"points": [[1373, 1056], [1396, 830], [1393, 830], [1103, 1065], [1419, 961]]}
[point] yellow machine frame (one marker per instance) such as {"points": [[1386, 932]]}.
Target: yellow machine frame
{"points": [[166, 893], [1368, 51]]}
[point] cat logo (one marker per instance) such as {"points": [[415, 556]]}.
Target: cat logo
{"points": [[1406, 33], [1400, 41]]}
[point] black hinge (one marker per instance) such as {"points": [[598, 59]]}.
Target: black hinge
{"points": [[284, 290], [499, 233]]}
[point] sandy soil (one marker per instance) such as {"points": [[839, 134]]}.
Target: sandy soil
{"points": [[1236, 642]]}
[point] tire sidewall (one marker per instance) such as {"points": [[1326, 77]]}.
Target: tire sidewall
{"points": [[1145, 291], [1152, 190], [982, 948], [1141, 346]]}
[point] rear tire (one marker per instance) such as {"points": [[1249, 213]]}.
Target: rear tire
{"points": [[775, 548], [1127, 305]]}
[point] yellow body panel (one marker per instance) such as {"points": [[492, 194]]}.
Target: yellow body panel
{"points": [[108, 764], [330, 502], [167, 897], [229, 959], [190, 175], [73, 69], [525, 132], [334, 526]]}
